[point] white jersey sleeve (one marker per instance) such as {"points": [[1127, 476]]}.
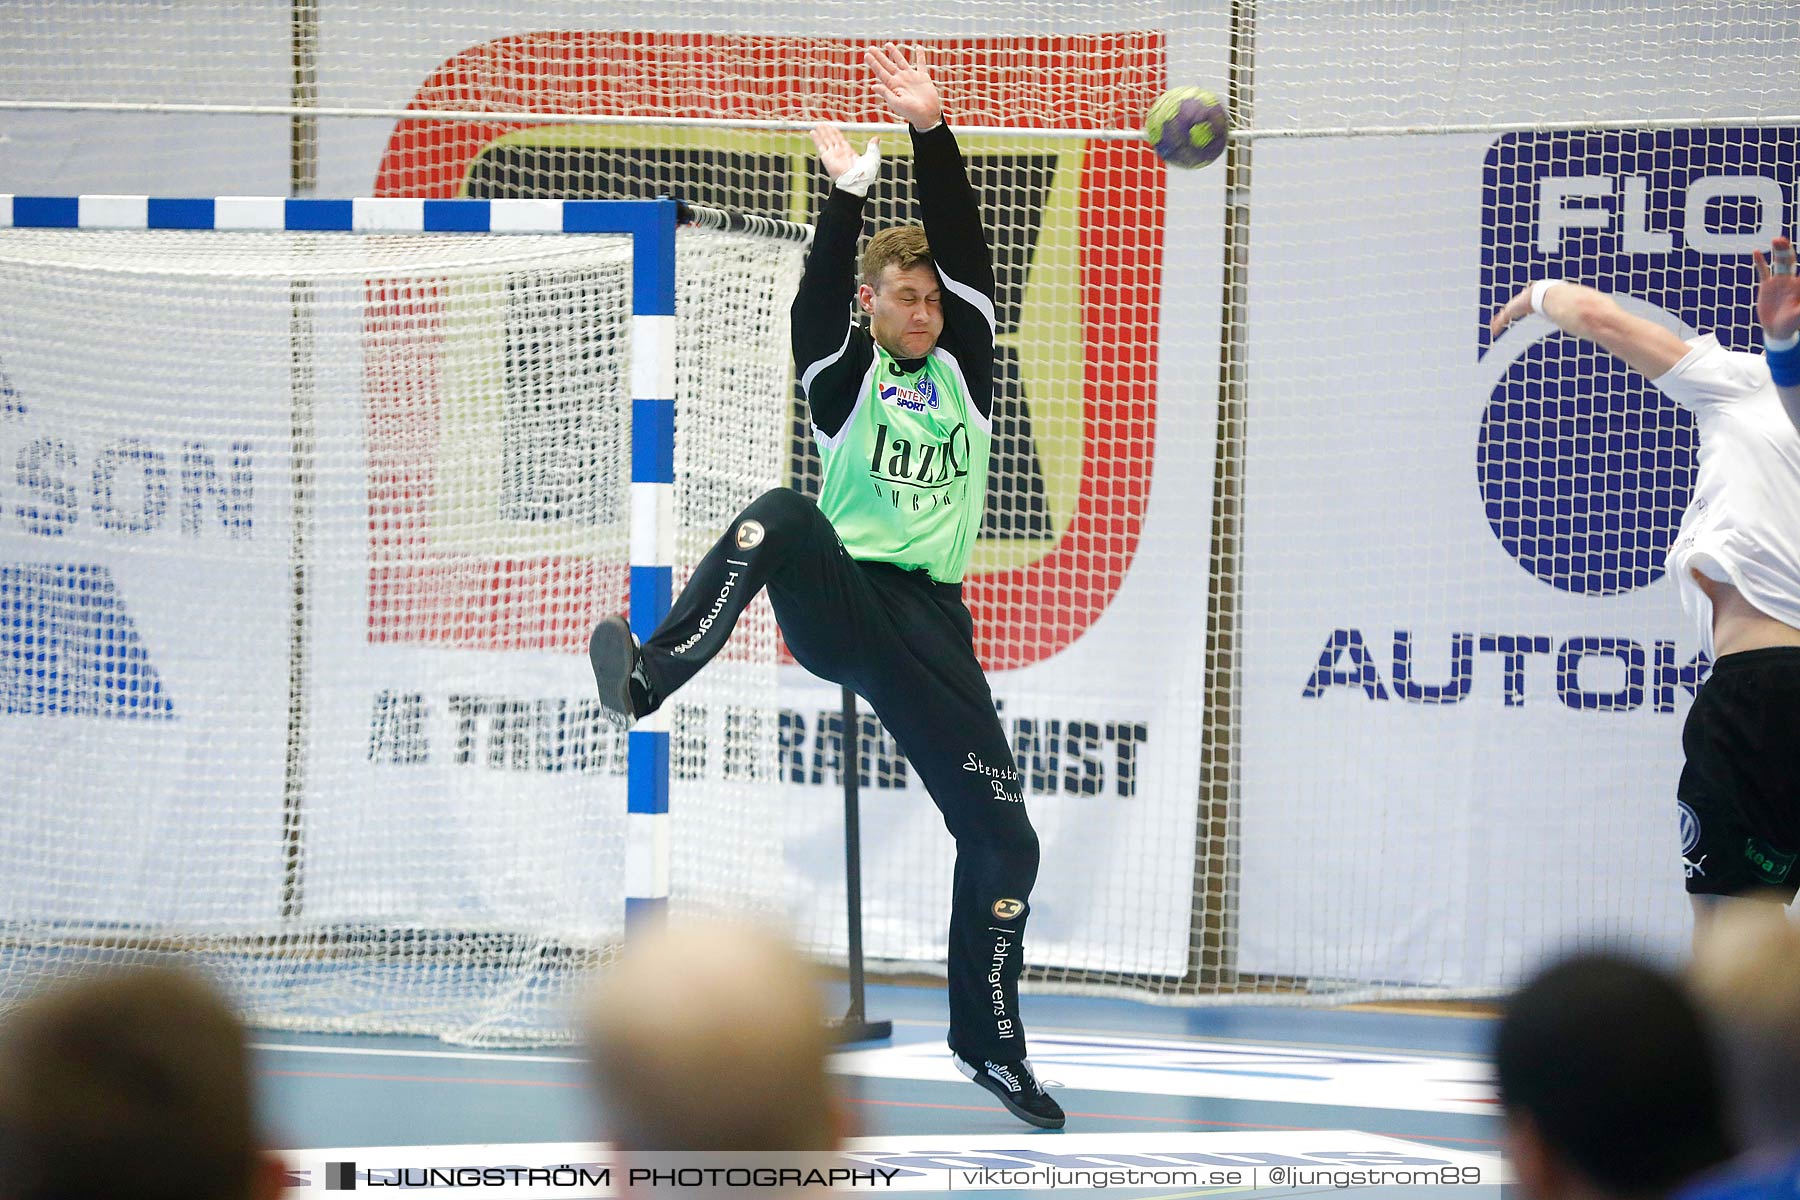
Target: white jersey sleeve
{"points": [[1709, 375]]}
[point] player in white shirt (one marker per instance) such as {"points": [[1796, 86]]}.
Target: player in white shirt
{"points": [[1736, 559]]}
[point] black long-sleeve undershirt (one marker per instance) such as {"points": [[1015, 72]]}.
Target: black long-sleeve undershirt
{"points": [[833, 351]]}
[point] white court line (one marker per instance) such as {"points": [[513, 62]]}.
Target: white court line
{"points": [[1139, 1066], [938, 1026], [1176, 1036], [461, 1055], [1160, 1067], [1284, 1043]]}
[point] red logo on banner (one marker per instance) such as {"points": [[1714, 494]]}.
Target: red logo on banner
{"points": [[1025, 611]]}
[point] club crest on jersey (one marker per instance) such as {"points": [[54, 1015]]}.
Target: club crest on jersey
{"points": [[912, 399], [1690, 828]]}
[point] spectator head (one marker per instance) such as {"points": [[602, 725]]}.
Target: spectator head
{"points": [[1609, 1081], [129, 1086], [713, 1037]]}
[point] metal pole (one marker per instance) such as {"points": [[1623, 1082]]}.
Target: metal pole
{"points": [[1212, 962], [854, 1026]]}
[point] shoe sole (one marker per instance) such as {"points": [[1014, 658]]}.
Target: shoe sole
{"points": [[999, 1093], [610, 652]]}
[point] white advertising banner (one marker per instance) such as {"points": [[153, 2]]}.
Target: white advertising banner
{"points": [[1462, 657], [144, 615], [235, 54]]}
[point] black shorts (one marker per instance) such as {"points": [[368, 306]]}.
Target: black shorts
{"points": [[1739, 795]]}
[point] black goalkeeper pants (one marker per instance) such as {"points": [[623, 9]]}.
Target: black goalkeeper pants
{"points": [[906, 645]]}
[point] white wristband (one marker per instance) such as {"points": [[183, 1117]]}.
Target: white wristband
{"points": [[1537, 294], [857, 179], [1780, 344]]}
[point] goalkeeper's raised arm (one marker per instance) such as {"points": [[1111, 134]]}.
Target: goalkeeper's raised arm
{"points": [[953, 228], [831, 352], [919, 289]]}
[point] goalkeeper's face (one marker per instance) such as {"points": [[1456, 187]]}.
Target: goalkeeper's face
{"points": [[906, 310]]}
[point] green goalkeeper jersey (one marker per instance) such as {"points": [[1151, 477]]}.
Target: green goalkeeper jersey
{"points": [[904, 441], [906, 476]]}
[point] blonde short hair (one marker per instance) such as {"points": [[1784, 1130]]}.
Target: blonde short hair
{"points": [[902, 246], [711, 1037]]}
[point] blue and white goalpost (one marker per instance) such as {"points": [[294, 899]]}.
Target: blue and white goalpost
{"points": [[322, 491]]}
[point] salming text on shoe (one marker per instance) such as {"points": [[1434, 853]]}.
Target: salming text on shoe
{"points": [[613, 653], [1018, 1089]]}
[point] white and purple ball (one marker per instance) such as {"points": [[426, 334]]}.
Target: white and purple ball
{"points": [[1187, 127]]}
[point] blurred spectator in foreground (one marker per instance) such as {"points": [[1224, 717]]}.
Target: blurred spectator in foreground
{"points": [[1610, 1083], [1746, 973], [713, 1037], [129, 1086]]}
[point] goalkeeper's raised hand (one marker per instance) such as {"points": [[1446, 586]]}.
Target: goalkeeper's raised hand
{"points": [[906, 85], [848, 170]]}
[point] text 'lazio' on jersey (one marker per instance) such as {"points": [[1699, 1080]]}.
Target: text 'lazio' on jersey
{"points": [[906, 477]]}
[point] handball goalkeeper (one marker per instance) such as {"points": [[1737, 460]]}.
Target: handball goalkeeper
{"points": [[867, 583]]}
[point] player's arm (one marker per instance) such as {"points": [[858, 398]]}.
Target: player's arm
{"points": [[959, 247], [1646, 346], [1778, 310], [832, 352]]}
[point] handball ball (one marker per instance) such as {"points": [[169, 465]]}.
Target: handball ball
{"points": [[1187, 126]]}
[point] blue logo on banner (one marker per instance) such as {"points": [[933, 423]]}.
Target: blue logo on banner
{"points": [[1585, 468], [11, 403], [69, 648]]}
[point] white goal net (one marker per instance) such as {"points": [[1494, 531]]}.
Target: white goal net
{"points": [[315, 526], [1332, 636]]}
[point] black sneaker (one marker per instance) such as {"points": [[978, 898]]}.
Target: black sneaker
{"points": [[1017, 1088], [619, 672]]}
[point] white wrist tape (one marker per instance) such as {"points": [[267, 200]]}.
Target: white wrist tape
{"points": [[1537, 294], [857, 179]]}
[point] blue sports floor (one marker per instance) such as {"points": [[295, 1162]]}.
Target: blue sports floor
{"points": [[1209, 1101]]}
